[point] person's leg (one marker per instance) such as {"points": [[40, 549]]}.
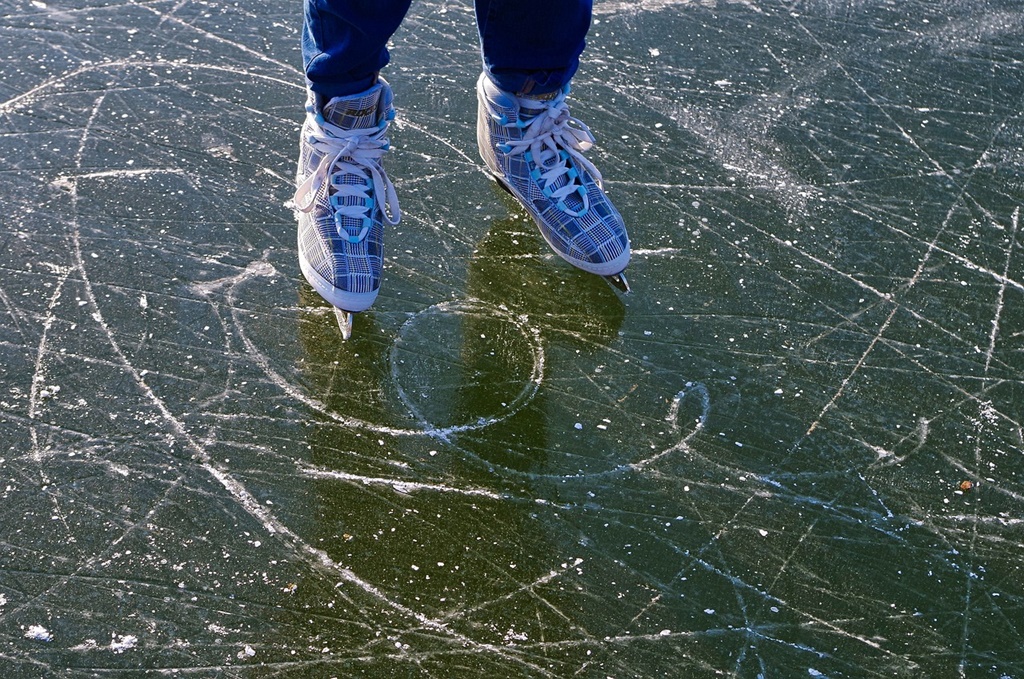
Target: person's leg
{"points": [[528, 140], [344, 200], [344, 43], [532, 46]]}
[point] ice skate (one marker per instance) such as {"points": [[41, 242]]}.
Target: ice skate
{"points": [[535, 150], [344, 199]]}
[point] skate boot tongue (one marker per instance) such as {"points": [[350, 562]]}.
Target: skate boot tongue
{"points": [[550, 156], [535, 105], [355, 112]]}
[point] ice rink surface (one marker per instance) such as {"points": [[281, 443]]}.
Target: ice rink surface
{"points": [[794, 451]]}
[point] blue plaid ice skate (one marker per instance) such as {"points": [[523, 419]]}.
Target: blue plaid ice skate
{"points": [[344, 197], [535, 149]]}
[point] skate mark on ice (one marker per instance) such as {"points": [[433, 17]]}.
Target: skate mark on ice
{"points": [[262, 268], [693, 390]]}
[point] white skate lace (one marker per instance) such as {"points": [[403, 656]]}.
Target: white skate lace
{"points": [[358, 152], [552, 138]]}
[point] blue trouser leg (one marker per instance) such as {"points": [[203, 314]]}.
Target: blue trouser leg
{"points": [[528, 46], [344, 43], [532, 46]]}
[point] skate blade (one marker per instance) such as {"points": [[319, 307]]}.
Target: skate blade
{"points": [[345, 319], [619, 281], [501, 182]]}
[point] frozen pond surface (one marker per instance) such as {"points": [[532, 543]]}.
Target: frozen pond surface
{"points": [[795, 450]]}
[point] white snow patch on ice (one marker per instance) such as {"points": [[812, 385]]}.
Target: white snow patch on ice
{"points": [[39, 633], [121, 643]]}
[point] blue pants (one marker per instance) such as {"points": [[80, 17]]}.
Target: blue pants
{"points": [[529, 46]]}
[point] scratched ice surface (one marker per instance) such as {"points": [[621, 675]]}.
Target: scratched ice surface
{"points": [[794, 450]]}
